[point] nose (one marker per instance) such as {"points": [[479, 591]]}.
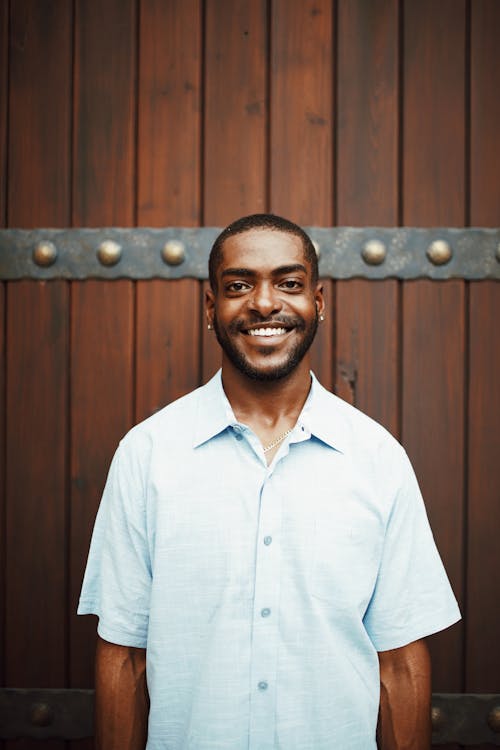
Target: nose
{"points": [[265, 300]]}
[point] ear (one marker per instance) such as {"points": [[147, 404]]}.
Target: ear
{"points": [[319, 299], [209, 306]]}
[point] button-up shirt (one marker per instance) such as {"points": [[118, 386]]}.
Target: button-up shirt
{"points": [[263, 593]]}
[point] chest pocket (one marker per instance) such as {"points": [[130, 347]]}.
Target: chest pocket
{"points": [[344, 563]]}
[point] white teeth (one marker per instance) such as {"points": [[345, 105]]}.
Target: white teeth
{"points": [[267, 331]]}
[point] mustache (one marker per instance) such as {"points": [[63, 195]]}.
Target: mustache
{"points": [[286, 321]]}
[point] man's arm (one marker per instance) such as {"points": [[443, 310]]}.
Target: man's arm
{"points": [[122, 701], [405, 698]]}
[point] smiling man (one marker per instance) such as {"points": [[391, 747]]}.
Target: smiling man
{"points": [[262, 565]]}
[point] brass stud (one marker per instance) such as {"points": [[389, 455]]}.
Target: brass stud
{"points": [[317, 248], [45, 253], [439, 252], [438, 718], [374, 252], [494, 719], [109, 253], [173, 252], [41, 714]]}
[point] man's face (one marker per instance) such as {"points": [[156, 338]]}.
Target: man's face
{"points": [[265, 310]]}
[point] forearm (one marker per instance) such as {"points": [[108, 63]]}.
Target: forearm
{"points": [[122, 702], [405, 696]]}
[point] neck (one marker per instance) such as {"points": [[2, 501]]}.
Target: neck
{"points": [[266, 401]]}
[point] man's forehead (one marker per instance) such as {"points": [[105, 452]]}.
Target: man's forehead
{"points": [[257, 247]]}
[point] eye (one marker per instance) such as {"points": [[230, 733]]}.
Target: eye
{"points": [[237, 286], [292, 284]]}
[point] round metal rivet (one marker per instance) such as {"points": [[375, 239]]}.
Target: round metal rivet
{"points": [[374, 252], [45, 253], [438, 718], [173, 252], [439, 252], [109, 253], [317, 248], [41, 714], [494, 719]]}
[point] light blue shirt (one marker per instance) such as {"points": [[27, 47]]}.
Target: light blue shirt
{"points": [[263, 593]]}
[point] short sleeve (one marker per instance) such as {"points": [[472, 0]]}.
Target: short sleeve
{"points": [[412, 596], [117, 579]]}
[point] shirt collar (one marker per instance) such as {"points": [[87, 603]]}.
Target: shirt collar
{"points": [[215, 414]]}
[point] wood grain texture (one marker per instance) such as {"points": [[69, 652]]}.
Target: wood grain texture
{"points": [[4, 90], [485, 114], [102, 338], [301, 145], [434, 113], [39, 114], [104, 119], [3, 509], [433, 323], [367, 113], [168, 313], [36, 444], [235, 110], [367, 194], [482, 658], [169, 113], [168, 343]]}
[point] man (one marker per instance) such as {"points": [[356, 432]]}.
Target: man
{"points": [[262, 551]]}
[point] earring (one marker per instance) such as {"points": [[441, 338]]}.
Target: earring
{"points": [[321, 317], [209, 326]]}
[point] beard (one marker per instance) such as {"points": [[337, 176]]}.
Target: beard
{"points": [[293, 357]]}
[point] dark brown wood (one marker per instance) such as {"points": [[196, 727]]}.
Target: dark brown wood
{"points": [[482, 661], [482, 657], [104, 121], [169, 113], [168, 314], [101, 412], [36, 521], [235, 109], [433, 315], [485, 114], [102, 312], [367, 194], [39, 113], [168, 343], [4, 68]]}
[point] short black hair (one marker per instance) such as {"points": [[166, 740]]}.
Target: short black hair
{"points": [[260, 221]]}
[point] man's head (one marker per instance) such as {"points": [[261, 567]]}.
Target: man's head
{"points": [[265, 299], [260, 221]]}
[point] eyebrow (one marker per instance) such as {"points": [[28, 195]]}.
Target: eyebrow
{"points": [[247, 272]]}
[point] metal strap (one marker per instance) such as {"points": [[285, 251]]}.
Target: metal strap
{"points": [[173, 253], [467, 719]]}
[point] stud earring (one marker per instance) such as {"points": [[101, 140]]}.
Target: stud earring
{"points": [[321, 317], [209, 326]]}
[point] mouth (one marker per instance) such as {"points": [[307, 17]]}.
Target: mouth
{"points": [[266, 330]]}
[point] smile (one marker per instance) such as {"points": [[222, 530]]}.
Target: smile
{"points": [[266, 331]]}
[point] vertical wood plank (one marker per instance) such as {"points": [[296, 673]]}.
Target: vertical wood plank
{"points": [[367, 194], [102, 313], [235, 119], [36, 543], [433, 314], [301, 132], [37, 195], [4, 18], [482, 662], [4, 70], [39, 113], [104, 121], [169, 129]]}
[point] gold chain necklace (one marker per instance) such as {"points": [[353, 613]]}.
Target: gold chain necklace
{"points": [[278, 440]]}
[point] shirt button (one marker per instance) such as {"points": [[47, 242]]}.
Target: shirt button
{"points": [[268, 540], [239, 436], [262, 685], [265, 612]]}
